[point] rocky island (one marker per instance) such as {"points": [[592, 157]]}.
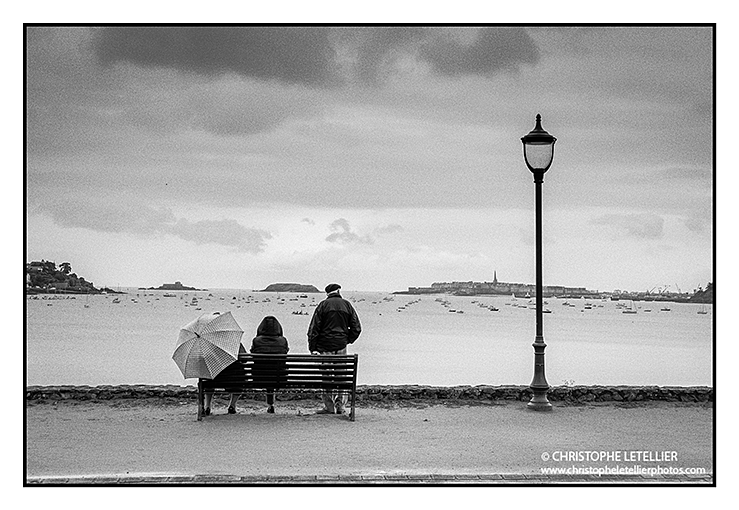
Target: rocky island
{"points": [[290, 287], [173, 286]]}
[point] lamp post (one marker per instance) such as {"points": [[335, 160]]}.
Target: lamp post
{"points": [[538, 152]]}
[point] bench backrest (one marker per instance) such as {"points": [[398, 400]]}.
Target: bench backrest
{"points": [[305, 371]]}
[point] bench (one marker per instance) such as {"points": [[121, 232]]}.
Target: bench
{"points": [[263, 372]]}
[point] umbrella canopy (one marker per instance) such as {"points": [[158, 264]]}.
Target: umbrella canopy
{"points": [[207, 345]]}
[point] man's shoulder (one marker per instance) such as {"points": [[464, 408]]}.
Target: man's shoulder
{"points": [[338, 300]]}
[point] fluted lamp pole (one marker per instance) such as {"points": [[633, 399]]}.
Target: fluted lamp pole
{"points": [[538, 152]]}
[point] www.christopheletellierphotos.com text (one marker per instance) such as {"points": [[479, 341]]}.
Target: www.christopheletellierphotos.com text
{"points": [[615, 462]]}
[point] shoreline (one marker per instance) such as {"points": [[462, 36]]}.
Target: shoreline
{"points": [[367, 393]]}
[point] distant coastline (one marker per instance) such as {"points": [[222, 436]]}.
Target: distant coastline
{"points": [[526, 290], [44, 277]]}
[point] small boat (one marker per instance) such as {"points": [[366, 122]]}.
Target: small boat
{"points": [[632, 309], [665, 309], [703, 310]]}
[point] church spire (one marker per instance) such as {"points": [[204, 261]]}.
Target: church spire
{"points": [[495, 277]]}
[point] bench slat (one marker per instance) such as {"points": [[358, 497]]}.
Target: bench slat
{"points": [[255, 382], [308, 358]]}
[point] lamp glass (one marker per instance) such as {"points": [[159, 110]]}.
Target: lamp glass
{"points": [[538, 156]]}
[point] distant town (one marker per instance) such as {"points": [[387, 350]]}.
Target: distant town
{"points": [[45, 277], [471, 288]]}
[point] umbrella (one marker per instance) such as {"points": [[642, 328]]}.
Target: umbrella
{"points": [[207, 345]]}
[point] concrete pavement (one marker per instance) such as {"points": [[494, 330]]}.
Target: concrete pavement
{"points": [[158, 441]]}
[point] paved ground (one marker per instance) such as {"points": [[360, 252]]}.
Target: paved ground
{"points": [[149, 442]]}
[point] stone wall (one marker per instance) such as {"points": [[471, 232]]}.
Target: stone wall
{"points": [[570, 394]]}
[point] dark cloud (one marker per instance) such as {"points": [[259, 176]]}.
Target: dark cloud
{"points": [[374, 50], [102, 215], [494, 49], [342, 233], [223, 232], [642, 226], [133, 217], [298, 55], [315, 56], [236, 109]]}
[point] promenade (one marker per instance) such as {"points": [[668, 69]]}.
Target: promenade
{"points": [[159, 441]]}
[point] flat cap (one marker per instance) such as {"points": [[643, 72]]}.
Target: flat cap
{"points": [[332, 287]]}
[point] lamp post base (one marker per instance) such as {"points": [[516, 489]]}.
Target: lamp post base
{"points": [[539, 386], [539, 402]]}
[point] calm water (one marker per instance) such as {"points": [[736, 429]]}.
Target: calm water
{"points": [[131, 342]]}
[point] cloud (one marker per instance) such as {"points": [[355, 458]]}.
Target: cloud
{"points": [[234, 108], [342, 233], [308, 221], [389, 229], [494, 49], [132, 217], [296, 55], [697, 224], [104, 214], [315, 56], [223, 232], [642, 226], [370, 53], [693, 175]]}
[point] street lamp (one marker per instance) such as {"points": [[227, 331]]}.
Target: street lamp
{"points": [[538, 152]]}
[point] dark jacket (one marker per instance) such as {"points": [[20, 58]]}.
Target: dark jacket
{"points": [[269, 339], [334, 325]]}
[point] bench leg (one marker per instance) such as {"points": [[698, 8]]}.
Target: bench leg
{"points": [[354, 398], [201, 402]]}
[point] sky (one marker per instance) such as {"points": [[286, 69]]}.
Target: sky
{"points": [[376, 157]]}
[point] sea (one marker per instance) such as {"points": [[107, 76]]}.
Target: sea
{"points": [[438, 340]]}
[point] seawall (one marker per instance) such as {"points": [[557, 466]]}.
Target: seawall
{"points": [[568, 394]]}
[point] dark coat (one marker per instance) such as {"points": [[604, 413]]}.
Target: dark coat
{"points": [[269, 339], [334, 325]]}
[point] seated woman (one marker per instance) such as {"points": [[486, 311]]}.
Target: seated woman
{"points": [[269, 340], [234, 396]]}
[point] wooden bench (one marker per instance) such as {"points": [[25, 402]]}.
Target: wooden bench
{"points": [[263, 372]]}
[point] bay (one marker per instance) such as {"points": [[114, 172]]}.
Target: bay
{"points": [[405, 339]]}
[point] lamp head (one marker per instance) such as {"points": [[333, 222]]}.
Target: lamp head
{"points": [[538, 149]]}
